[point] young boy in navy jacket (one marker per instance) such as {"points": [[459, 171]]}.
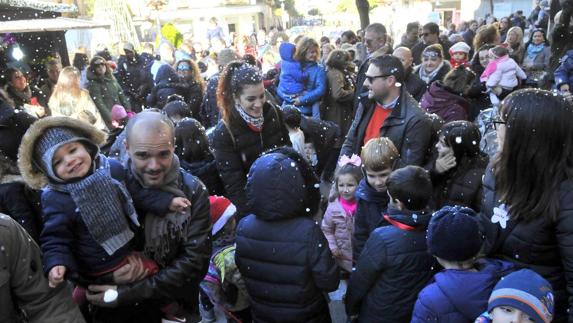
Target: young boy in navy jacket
{"points": [[460, 292], [395, 265], [378, 158]]}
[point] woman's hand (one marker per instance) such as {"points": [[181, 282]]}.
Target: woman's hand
{"points": [[445, 162]]}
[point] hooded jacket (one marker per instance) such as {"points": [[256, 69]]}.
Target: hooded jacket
{"points": [[105, 92], [447, 105], [393, 267], [369, 215], [166, 82], [315, 87], [292, 78], [459, 296], [282, 253], [65, 238], [23, 287]]}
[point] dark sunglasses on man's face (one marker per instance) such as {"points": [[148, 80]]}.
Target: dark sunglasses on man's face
{"points": [[424, 34], [372, 78]]}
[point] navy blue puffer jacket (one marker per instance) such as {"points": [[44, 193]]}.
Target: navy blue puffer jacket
{"points": [[282, 253]]}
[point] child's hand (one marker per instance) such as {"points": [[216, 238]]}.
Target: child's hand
{"points": [[497, 90], [56, 276], [445, 162], [179, 204]]}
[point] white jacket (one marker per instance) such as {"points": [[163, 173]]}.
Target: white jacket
{"points": [[506, 75]]}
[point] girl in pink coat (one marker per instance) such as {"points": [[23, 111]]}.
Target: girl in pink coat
{"points": [[338, 219]]}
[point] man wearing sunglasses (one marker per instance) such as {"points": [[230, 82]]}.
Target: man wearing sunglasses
{"points": [[375, 37], [389, 111], [430, 35]]}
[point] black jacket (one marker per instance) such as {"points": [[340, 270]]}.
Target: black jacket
{"points": [[188, 258], [323, 135], [207, 172], [393, 267], [460, 186], [407, 126], [414, 85], [282, 253], [209, 110], [542, 245], [236, 147]]}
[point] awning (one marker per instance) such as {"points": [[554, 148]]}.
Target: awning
{"points": [[52, 24], [41, 5]]}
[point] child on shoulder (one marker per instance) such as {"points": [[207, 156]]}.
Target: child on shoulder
{"points": [[89, 216], [338, 222], [394, 264], [292, 78], [378, 158], [460, 292], [502, 74]]}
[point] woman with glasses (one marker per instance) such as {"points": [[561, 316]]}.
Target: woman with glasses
{"points": [[433, 67], [536, 59], [20, 94], [527, 210], [192, 85], [104, 89]]}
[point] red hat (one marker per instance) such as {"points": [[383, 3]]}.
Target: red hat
{"points": [[221, 211]]}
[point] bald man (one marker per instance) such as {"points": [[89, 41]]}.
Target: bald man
{"points": [[414, 85], [180, 242]]}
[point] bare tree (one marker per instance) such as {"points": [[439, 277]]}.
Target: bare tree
{"points": [[363, 7]]}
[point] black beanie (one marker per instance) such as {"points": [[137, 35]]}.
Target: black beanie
{"points": [[453, 234]]}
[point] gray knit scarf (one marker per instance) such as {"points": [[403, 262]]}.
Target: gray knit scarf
{"points": [[428, 77], [160, 230], [256, 122], [103, 203]]}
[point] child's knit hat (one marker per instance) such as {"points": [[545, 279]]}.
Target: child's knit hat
{"points": [[54, 138], [460, 47], [118, 112], [221, 211], [453, 234], [526, 291]]}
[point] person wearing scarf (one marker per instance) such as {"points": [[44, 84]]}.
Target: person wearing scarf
{"points": [[433, 67]]}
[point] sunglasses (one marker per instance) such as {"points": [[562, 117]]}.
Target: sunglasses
{"points": [[183, 68], [372, 78], [424, 34]]}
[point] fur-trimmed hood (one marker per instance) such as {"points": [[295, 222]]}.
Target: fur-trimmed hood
{"points": [[32, 175]]}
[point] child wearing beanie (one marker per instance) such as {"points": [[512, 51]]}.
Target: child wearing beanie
{"points": [[459, 54], [459, 293], [89, 216], [394, 264], [523, 296]]}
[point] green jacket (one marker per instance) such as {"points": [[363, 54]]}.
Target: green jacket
{"points": [[24, 292], [106, 92]]}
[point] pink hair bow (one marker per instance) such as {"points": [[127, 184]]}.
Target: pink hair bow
{"points": [[354, 160]]}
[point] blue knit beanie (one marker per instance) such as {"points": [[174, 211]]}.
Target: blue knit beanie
{"points": [[453, 234], [526, 291]]}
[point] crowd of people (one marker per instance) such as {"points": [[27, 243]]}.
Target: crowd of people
{"points": [[143, 188]]}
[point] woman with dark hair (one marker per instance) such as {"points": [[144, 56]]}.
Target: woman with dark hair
{"points": [[192, 86], [282, 254], [249, 125], [459, 167], [195, 155], [536, 59], [504, 25], [433, 67], [104, 89], [479, 99], [307, 53], [446, 98], [527, 208], [22, 95]]}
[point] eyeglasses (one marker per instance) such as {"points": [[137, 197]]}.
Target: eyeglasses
{"points": [[497, 121], [372, 78], [183, 68], [424, 34]]}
